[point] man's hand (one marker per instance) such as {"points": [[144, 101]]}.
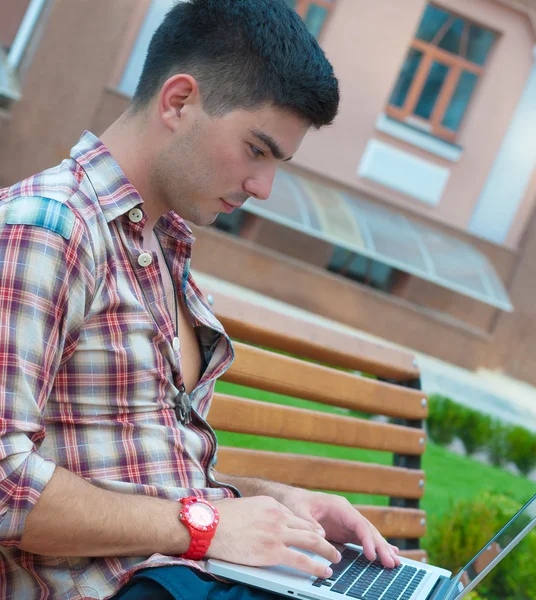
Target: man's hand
{"points": [[259, 531], [341, 522]]}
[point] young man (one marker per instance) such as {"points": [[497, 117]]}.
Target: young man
{"points": [[108, 351]]}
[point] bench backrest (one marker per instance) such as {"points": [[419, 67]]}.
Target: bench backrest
{"points": [[394, 394]]}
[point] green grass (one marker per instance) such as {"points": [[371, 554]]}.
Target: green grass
{"points": [[449, 476], [452, 476]]}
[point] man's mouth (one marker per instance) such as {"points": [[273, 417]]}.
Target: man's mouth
{"points": [[227, 207]]}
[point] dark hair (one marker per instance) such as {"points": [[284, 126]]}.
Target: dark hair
{"points": [[244, 54]]}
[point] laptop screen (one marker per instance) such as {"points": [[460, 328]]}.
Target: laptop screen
{"points": [[518, 528]]}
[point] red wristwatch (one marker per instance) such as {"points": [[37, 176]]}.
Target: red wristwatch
{"points": [[201, 520]]}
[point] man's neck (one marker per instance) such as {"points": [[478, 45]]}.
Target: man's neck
{"points": [[128, 143]]}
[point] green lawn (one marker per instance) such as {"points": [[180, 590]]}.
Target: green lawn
{"points": [[449, 476]]}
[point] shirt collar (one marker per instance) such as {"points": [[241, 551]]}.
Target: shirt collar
{"points": [[115, 193]]}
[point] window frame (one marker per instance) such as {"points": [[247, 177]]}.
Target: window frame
{"points": [[302, 8], [457, 65]]}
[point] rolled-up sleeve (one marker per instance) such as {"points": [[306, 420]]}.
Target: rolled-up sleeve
{"points": [[46, 285]]}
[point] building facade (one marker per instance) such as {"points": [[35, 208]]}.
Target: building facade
{"points": [[434, 148]]}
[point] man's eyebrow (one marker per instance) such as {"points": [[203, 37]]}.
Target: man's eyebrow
{"points": [[269, 141]]}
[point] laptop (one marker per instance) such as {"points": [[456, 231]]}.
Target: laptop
{"points": [[356, 578]]}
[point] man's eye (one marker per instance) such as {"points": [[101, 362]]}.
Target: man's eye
{"points": [[257, 152]]}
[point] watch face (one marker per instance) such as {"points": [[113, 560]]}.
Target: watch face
{"points": [[201, 514]]}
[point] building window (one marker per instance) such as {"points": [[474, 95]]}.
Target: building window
{"points": [[232, 223], [364, 270], [439, 76], [154, 17], [313, 12]]}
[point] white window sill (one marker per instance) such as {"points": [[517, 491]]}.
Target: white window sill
{"points": [[425, 141], [9, 85]]}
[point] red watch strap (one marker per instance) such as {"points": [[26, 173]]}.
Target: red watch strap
{"points": [[200, 540], [198, 548]]}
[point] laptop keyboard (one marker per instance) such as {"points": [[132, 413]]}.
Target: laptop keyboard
{"points": [[356, 577]]}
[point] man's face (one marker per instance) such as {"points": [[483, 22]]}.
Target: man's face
{"points": [[214, 165]]}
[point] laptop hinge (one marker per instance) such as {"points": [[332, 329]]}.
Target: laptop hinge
{"points": [[440, 589]]}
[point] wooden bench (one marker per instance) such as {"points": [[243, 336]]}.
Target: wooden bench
{"points": [[394, 393]]}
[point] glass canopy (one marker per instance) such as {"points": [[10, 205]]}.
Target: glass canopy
{"points": [[383, 235]]}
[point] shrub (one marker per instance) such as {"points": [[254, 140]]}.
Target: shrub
{"points": [[475, 430], [522, 449], [457, 536], [474, 596], [444, 419], [504, 443]]}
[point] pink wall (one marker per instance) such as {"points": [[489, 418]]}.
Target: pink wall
{"points": [[63, 85], [367, 58]]}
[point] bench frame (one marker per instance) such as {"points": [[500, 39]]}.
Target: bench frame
{"points": [[410, 462], [253, 319]]}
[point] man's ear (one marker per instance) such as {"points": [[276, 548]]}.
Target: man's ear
{"points": [[177, 96]]}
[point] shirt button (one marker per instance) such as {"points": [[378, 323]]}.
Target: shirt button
{"points": [[145, 259], [176, 344], [135, 215]]}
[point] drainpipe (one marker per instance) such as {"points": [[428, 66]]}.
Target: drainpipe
{"points": [[26, 29]]}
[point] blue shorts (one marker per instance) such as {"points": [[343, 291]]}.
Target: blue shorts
{"points": [[183, 583]]}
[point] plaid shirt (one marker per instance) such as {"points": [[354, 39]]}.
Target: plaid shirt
{"points": [[88, 369]]}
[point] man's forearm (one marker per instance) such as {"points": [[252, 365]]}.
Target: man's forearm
{"points": [[74, 518], [252, 486]]}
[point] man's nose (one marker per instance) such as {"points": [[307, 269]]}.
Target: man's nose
{"points": [[260, 187]]}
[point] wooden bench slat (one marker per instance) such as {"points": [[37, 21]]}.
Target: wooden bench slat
{"points": [[265, 370], [312, 472], [394, 522], [261, 321], [303, 335], [230, 413]]}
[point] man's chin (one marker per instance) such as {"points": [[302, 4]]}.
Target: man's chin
{"points": [[204, 220]]}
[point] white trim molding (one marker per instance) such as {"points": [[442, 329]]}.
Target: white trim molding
{"points": [[510, 176], [403, 172], [420, 139]]}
